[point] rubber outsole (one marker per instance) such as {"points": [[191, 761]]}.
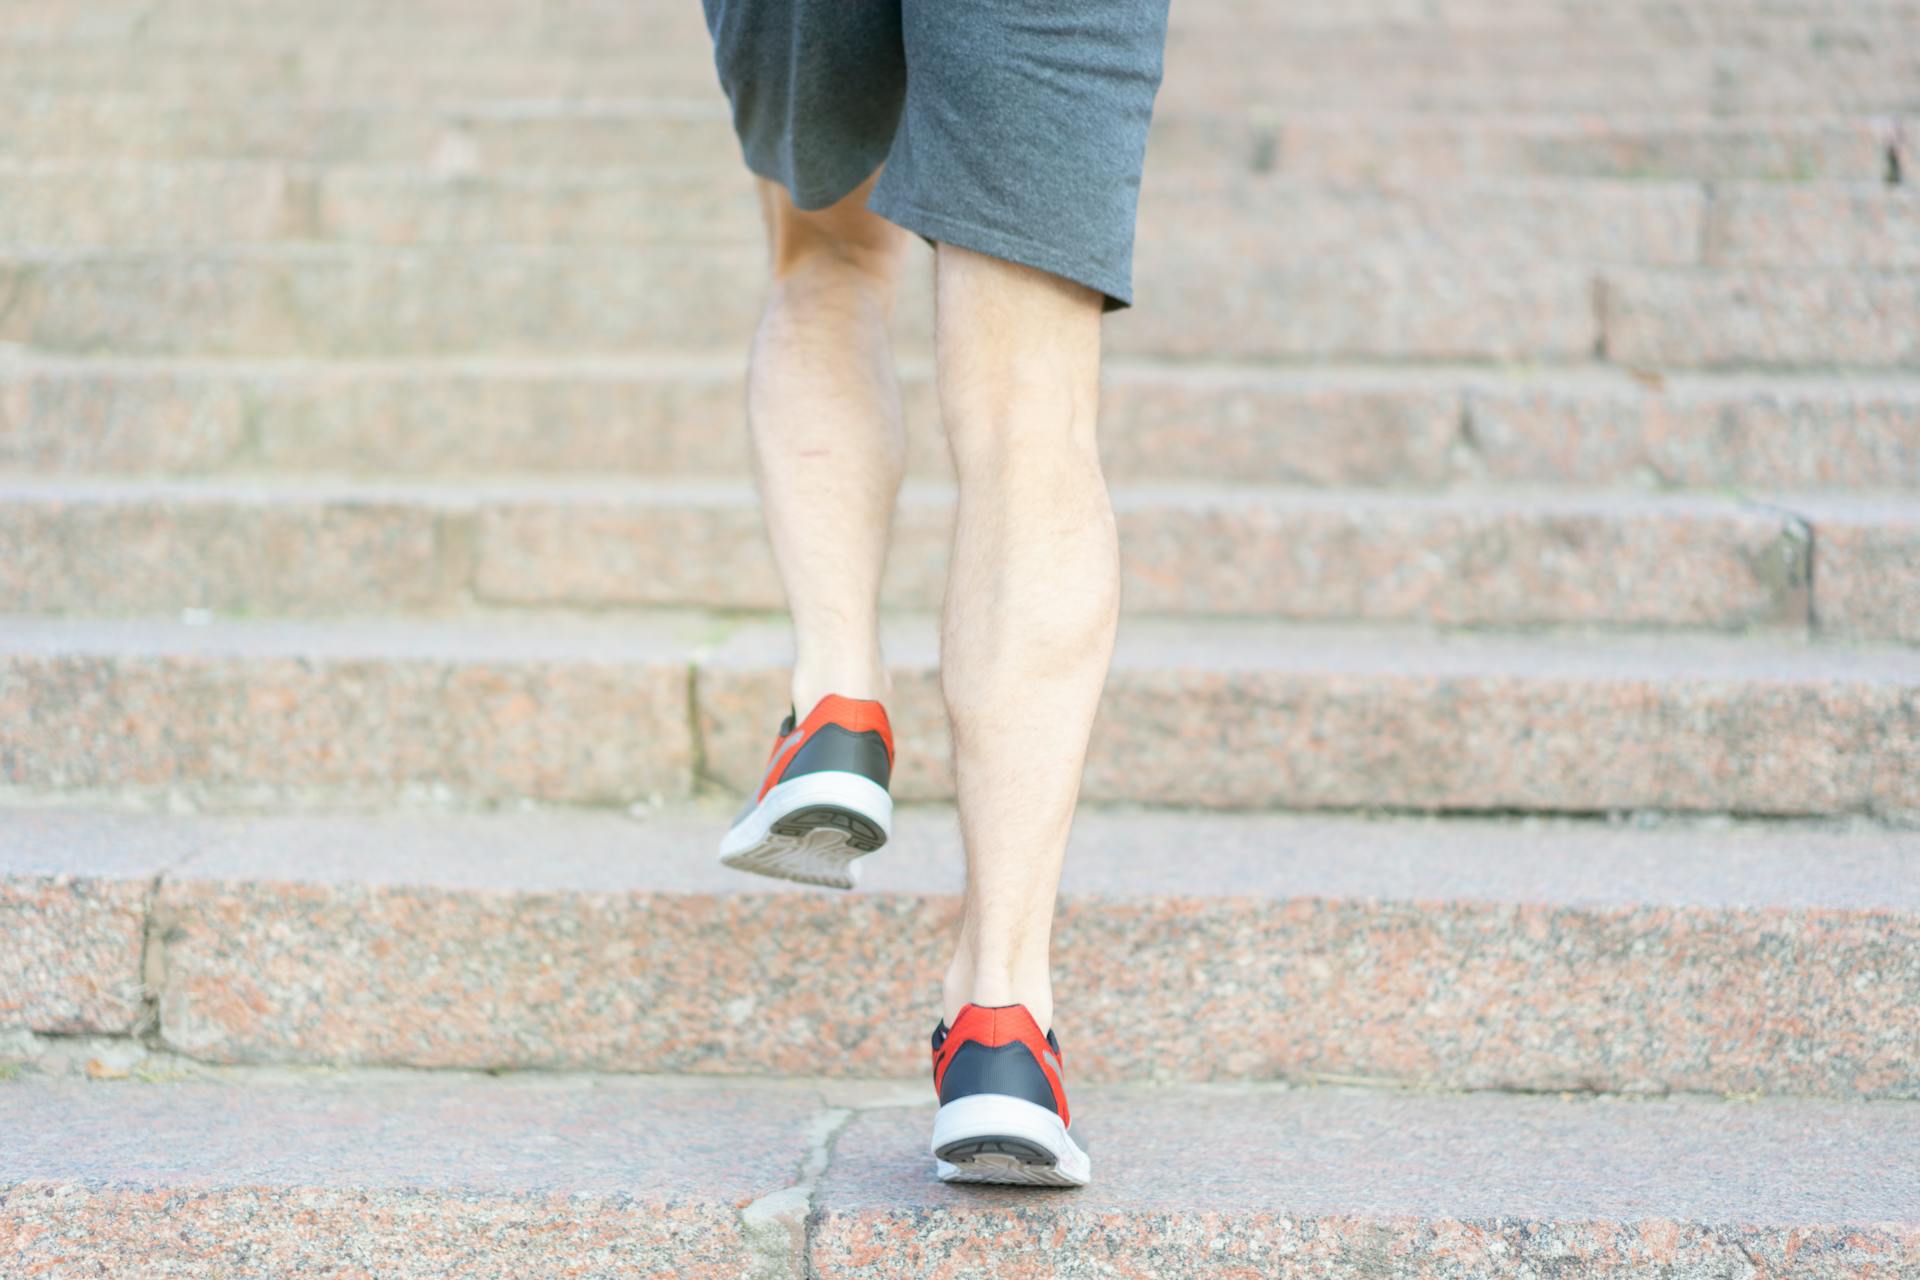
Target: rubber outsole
{"points": [[990, 1169], [861, 832], [815, 845], [1020, 1149], [1006, 1141]]}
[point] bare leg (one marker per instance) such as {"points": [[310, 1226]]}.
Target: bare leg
{"points": [[1031, 604], [824, 410]]}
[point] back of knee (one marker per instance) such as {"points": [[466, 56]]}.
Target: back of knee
{"points": [[844, 242], [1025, 415]]}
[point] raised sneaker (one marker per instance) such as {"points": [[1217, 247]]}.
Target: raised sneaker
{"points": [[823, 800], [1003, 1105]]}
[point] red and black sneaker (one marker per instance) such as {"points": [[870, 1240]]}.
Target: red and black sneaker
{"points": [[823, 800], [1003, 1104]]}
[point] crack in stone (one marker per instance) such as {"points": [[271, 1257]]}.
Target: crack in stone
{"points": [[779, 1225], [1795, 574], [153, 966], [1602, 318], [697, 745]]}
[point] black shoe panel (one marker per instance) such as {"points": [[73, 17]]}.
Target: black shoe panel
{"points": [[1008, 1069], [831, 748]]}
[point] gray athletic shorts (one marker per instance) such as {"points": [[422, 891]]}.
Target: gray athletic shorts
{"points": [[1016, 128]]}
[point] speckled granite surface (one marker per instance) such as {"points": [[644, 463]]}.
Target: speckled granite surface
{"points": [[1472, 953], [1300, 1184], [74, 903], [392, 1176], [1490, 559], [373, 711], [339, 548], [273, 549], [1257, 715], [1867, 559], [280, 1173], [70, 959], [683, 414], [1216, 713]]}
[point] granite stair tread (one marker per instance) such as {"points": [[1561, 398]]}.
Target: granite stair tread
{"points": [[497, 707], [1400, 426], [536, 1177], [1480, 556], [1535, 954], [621, 132]]}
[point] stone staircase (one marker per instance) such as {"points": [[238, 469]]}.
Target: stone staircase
{"points": [[1511, 762]]}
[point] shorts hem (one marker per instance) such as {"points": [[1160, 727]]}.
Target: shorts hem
{"points": [[966, 235], [809, 197]]}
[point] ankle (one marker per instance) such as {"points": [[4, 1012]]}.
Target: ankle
{"points": [[874, 685], [991, 986]]}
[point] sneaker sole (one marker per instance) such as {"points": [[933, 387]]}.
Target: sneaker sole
{"points": [[812, 830], [1005, 1141]]}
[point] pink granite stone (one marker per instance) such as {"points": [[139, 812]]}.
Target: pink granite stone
{"points": [[351, 300], [72, 417], [618, 132], [1466, 559], [75, 892], [1526, 222], [1410, 307], [1427, 71], [1480, 559], [105, 548], [1353, 1186], [1465, 954], [1348, 146], [1702, 432], [71, 959], [1775, 319], [1315, 428], [372, 1175], [58, 204], [1825, 77], [1769, 225], [682, 416], [1254, 715], [365, 711], [195, 127], [1866, 563], [623, 206], [396, 1177]]}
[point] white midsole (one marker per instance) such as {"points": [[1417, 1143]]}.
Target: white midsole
{"points": [[998, 1115], [846, 790]]}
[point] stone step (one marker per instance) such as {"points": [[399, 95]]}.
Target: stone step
{"points": [[1369, 146], [531, 1178], [1535, 955], [627, 134], [78, 204], [546, 27], [1781, 69], [65, 204], [1751, 225], [1868, 557], [1221, 714], [1211, 301], [253, 20], [305, 546], [1696, 318], [1279, 73], [1366, 426]]}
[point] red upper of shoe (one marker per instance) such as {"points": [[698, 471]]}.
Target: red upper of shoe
{"points": [[856, 715], [997, 1025]]}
